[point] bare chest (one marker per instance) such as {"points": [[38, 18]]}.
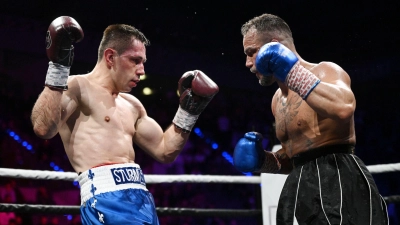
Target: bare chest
{"points": [[292, 117], [114, 114]]}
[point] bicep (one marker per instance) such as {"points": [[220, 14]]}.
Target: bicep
{"points": [[340, 81], [334, 86], [332, 97], [69, 100], [148, 135], [68, 106], [336, 77]]}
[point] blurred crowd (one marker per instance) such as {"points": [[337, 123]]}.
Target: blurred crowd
{"points": [[230, 114]]}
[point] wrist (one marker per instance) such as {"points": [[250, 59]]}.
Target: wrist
{"points": [[184, 120], [271, 163], [57, 76], [181, 130], [301, 80]]}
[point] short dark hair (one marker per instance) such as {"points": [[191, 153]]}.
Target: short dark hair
{"points": [[119, 37], [268, 24]]}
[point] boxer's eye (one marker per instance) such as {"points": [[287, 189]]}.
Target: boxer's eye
{"points": [[138, 60], [251, 51]]}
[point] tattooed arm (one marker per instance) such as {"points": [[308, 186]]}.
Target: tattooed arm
{"points": [[276, 162]]}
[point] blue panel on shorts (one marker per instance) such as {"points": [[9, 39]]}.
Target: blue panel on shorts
{"points": [[129, 206]]}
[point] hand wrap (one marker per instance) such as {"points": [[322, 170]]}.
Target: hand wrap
{"points": [[301, 80], [57, 76]]}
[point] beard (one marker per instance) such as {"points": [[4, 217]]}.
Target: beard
{"points": [[263, 80], [266, 80]]}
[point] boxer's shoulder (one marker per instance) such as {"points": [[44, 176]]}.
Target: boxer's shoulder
{"points": [[131, 100], [76, 83], [132, 104], [330, 71], [323, 66], [77, 79]]}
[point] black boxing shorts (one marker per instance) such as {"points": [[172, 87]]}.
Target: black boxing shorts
{"points": [[330, 185]]}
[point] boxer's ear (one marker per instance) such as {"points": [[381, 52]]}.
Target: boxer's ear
{"points": [[109, 55]]}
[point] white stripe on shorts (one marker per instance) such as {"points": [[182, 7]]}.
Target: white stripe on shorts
{"points": [[110, 178]]}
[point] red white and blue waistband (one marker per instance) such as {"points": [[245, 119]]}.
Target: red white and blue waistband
{"points": [[110, 178]]}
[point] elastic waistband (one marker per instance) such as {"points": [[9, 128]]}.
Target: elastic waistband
{"points": [[110, 178], [304, 157]]}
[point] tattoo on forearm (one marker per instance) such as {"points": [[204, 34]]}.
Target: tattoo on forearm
{"points": [[286, 164], [271, 163], [276, 162]]}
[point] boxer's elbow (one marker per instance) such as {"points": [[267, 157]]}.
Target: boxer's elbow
{"points": [[168, 160], [43, 128], [346, 112], [44, 132], [169, 157]]}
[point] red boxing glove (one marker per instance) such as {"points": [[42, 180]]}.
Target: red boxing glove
{"points": [[196, 90], [62, 32]]}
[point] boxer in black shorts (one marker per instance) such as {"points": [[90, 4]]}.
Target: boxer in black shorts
{"points": [[314, 114]]}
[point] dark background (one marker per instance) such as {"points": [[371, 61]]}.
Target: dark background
{"points": [[206, 34], [360, 36]]}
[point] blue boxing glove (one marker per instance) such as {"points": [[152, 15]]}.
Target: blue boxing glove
{"points": [[249, 154], [276, 59]]}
